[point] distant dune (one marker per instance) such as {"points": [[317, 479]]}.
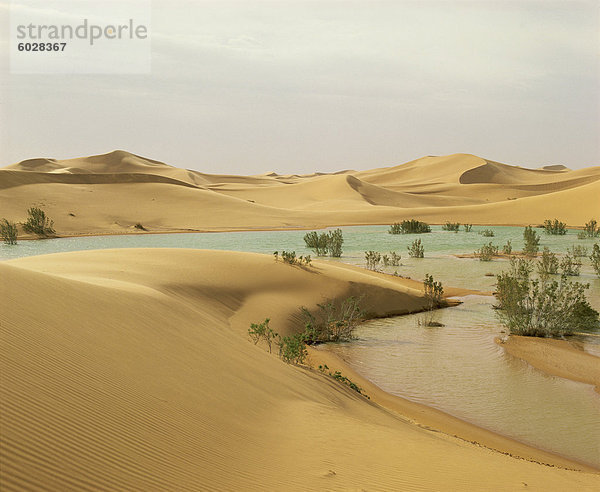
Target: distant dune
{"points": [[132, 370], [110, 193]]}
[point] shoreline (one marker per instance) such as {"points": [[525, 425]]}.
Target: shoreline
{"points": [[436, 420], [256, 229], [555, 357]]}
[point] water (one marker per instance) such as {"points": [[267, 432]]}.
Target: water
{"points": [[458, 368]]}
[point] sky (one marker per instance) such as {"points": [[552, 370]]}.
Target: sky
{"points": [[302, 86]]}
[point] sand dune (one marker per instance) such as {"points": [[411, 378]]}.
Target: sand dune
{"points": [[110, 193], [131, 370]]}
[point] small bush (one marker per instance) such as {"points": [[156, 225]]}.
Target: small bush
{"points": [[416, 249], [486, 252], [532, 241], [507, 248], [337, 375], [555, 227], [548, 264], [542, 308], [578, 251], [487, 233], [570, 266], [393, 259], [140, 227], [591, 228], [433, 292], [291, 258], [582, 235], [8, 231], [372, 258], [468, 227], [411, 226], [262, 331], [595, 259], [451, 226], [326, 242], [334, 322], [38, 223], [292, 349]]}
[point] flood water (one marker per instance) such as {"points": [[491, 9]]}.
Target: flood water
{"points": [[456, 368]]}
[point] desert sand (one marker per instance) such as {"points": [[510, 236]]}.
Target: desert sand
{"points": [[132, 370], [109, 194], [557, 357]]}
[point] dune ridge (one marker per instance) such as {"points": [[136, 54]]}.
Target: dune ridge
{"points": [[110, 193], [131, 370]]}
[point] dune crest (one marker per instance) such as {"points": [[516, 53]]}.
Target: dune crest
{"points": [[109, 193], [160, 389]]}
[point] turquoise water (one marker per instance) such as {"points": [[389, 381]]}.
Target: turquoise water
{"points": [[457, 368]]}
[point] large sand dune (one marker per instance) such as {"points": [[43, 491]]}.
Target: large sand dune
{"points": [[131, 370], [111, 193]]}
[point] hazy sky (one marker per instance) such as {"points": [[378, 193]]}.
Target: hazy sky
{"points": [[250, 87]]}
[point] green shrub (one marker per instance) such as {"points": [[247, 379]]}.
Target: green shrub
{"points": [[548, 264], [317, 242], [578, 251], [393, 259], [582, 235], [486, 252], [411, 226], [372, 258], [591, 228], [532, 241], [262, 331], [8, 231], [468, 227], [416, 249], [451, 226], [507, 248], [595, 259], [555, 227], [487, 233], [544, 307], [292, 349], [291, 258], [337, 375], [326, 242], [334, 322], [38, 223], [335, 239], [433, 292], [570, 266]]}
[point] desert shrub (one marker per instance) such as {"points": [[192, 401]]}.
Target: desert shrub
{"points": [[334, 322], [335, 239], [548, 264], [486, 252], [372, 258], [433, 292], [337, 375], [582, 235], [8, 231], [591, 229], [317, 242], [292, 349], [595, 258], [393, 259], [468, 227], [487, 233], [140, 227], [451, 226], [555, 227], [543, 307], [411, 226], [507, 248], [262, 331], [291, 258], [570, 266], [532, 241], [578, 251], [416, 249], [326, 242], [38, 223]]}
